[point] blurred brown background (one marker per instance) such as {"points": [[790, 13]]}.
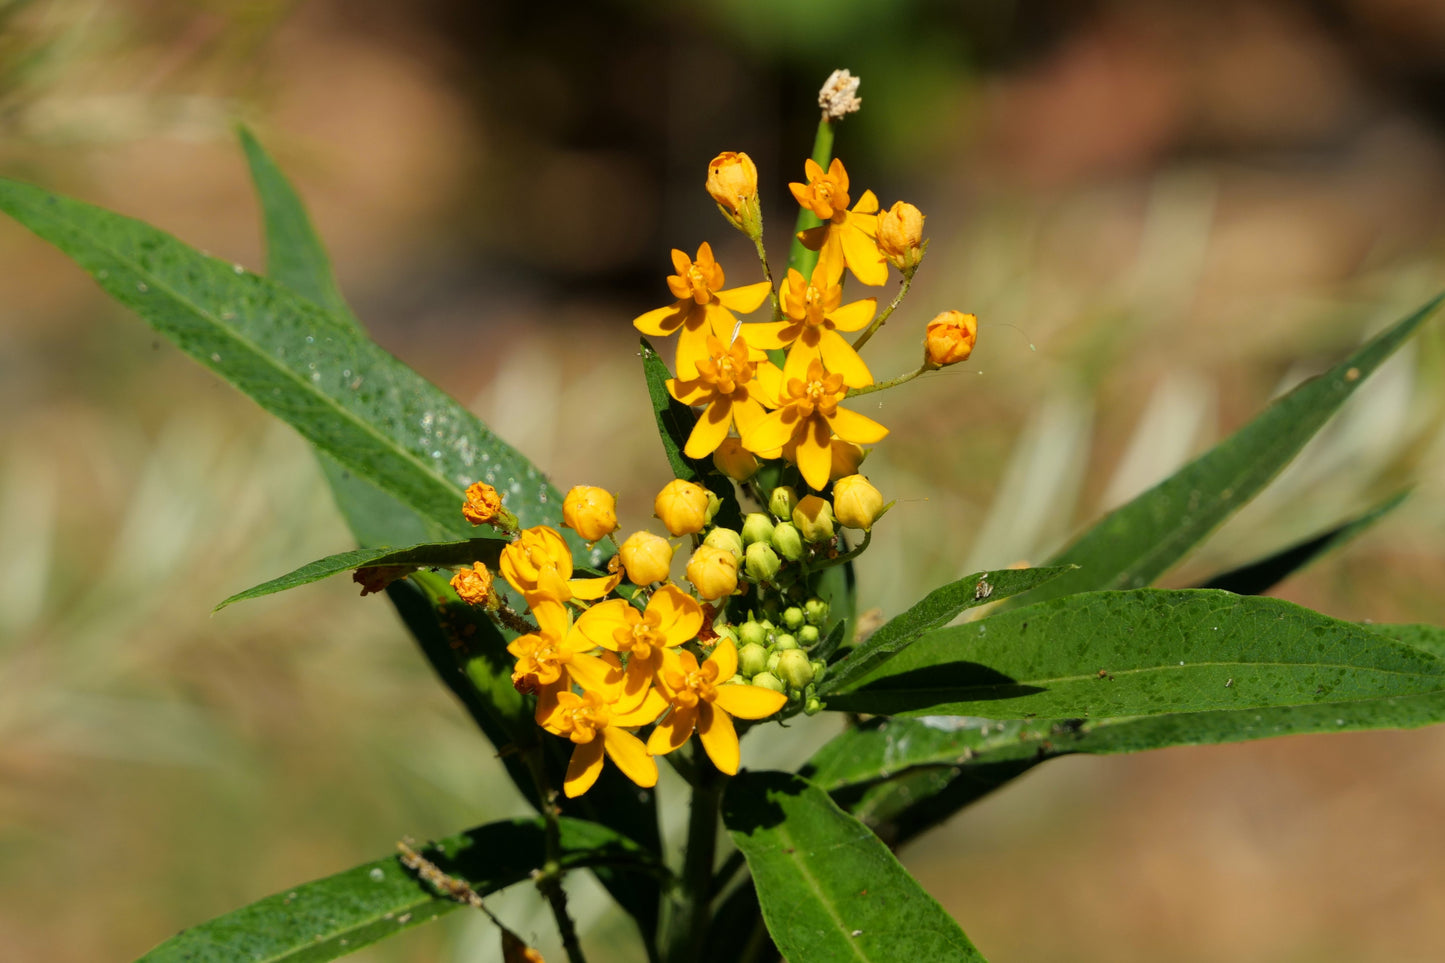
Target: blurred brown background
{"points": [[1163, 212]]}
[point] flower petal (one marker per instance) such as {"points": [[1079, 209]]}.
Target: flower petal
{"points": [[583, 768], [867, 204], [859, 429], [642, 714], [694, 392], [746, 299], [771, 335], [662, 321], [862, 255], [840, 357], [747, 413], [588, 589], [630, 755], [719, 737], [601, 621], [680, 615], [671, 733], [771, 432], [802, 355], [594, 675], [749, 701], [855, 315], [725, 657], [815, 452], [709, 431]]}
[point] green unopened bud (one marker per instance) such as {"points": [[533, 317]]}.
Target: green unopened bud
{"points": [[808, 636], [814, 518], [766, 680], [713, 504], [757, 527], [782, 502], [793, 617], [787, 541], [794, 669], [761, 562], [785, 642], [752, 633], [752, 659], [812, 707], [726, 538], [727, 631], [773, 660], [820, 669], [816, 611]]}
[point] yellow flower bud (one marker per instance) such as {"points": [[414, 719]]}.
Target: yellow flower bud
{"points": [[856, 503], [713, 572], [474, 585], [846, 459], [732, 180], [647, 558], [682, 506], [726, 538], [900, 235], [590, 512], [949, 339], [735, 461], [482, 504], [813, 518]]}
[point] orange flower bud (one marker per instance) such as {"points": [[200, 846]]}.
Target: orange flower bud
{"points": [[713, 572], [900, 235], [482, 505], [856, 503], [647, 558], [732, 180], [682, 507], [735, 461], [474, 585], [590, 512], [949, 339]]}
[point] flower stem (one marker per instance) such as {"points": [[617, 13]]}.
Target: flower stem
{"points": [[690, 910], [892, 306], [799, 257], [890, 383], [768, 276], [549, 877]]}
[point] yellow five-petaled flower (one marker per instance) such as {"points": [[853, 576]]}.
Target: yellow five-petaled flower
{"points": [[596, 724], [846, 236], [672, 618], [734, 389], [702, 308], [814, 314]]}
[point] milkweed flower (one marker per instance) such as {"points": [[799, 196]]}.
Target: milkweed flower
{"points": [[702, 703], [539, 565], [482, 504], [596, 725], [551, 659], [808, 416], [845, 236], [735, 461], [702, 308], [590, 512], [856, 503], [900, 235], [814, 313], [474, 585], [646, 557], [732, 180], [672, 618], [682, 507], [949, 338], [713, 572], [733, 388]]}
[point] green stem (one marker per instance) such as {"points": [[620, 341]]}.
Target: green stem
{"points": [[799, 257], [890, 383], [691, 906], [768, 275], [892, 306], [549, 877]]}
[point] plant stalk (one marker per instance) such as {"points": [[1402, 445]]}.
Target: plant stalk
{"points": [[691, 906]]}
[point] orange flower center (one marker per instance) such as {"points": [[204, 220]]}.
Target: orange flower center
{"points": [[820, 393], [644, 636], [579, 717]]}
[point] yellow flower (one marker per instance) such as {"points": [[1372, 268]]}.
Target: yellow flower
{"points": [[552, 658], [590, 512], [808, 417], [597, 724], [474, 585], [539, 565], [713, 572], [682, 507], [815, 314], [700, 701], [735, 461], [702, 308], [733, 388], [482, 504], [900, 235], [647, 557], [949, 339], [856, 503], [845, 236], [732, 180], [672, 618]]}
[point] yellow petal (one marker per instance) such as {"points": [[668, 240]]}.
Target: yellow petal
{"points": [[814, 237], [583, 768], [552, 618], [815, 452], [746, 299], [859, 429], [681, 263], [680, 615], [748, 413], [662, 321], [694, 392], [867, 204], [594, 675], [749, 701], [854, 316], [673, 732], [840, 357], [691, 348], [601, 621], [768, 377], [642, 714], [801, 355], [772, 431], [588, 589], [771, 335], [725, 657], [863, 256], [719, 737], [710, 430], [630, 755]]}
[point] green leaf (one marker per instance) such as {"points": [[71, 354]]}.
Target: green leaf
{"points": [[426, 555], [1134, 544], [674, 424], [340, 914], [937, 608], [1259, 577], [829, 889], [345, 395], [1144, 652]]}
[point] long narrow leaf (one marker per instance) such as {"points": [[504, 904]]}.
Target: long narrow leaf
{"points": [[829, 889], [1144, 652], [1134, 544], [347, 396], [331, 917]]}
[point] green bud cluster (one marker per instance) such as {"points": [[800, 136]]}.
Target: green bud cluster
{"points": [[773, 648]]}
